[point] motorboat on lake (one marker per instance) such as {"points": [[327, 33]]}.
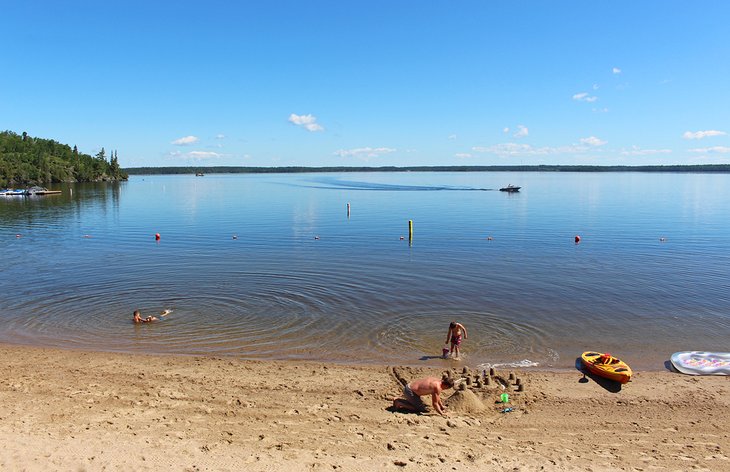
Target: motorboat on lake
{"points": [[510, 188]]}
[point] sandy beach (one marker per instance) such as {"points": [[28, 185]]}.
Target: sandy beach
{"points": [[88, 411]]}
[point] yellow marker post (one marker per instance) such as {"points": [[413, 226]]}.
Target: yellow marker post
{"points": [[410, 229]]}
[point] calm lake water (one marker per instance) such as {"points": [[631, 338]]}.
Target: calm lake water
{"points": [[273, 267]]}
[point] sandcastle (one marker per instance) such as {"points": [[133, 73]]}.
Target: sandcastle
{"points": [[475, 391]]}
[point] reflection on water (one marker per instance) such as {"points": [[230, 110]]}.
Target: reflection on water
{"points": [[305, 280]]}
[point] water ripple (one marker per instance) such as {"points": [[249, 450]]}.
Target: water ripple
{"points": [[528, 295]]}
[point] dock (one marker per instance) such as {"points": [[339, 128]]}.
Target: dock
{"points": [[46, 192]]}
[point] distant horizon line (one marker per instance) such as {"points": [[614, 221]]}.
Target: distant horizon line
{"points": [[701, 168]]}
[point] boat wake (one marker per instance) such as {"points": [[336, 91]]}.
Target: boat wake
{"points": [[329, 183]]}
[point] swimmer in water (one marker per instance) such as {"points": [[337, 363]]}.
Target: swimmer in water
{"points": [[138, 316]]}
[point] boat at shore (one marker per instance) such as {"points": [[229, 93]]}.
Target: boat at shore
{"points": [[35, 190], [607, 366], [15, 192], [510, 188]]}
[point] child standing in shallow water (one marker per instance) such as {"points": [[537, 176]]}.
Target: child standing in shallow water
{"points": [[457, 331]]}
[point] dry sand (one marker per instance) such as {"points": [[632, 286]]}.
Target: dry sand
{"points": [[87, 411]]}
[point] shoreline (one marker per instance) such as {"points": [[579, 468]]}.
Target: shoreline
{"points": [[414, 363], [82, 410]]}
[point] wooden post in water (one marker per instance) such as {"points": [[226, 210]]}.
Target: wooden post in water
{"points": [[348, 209], [410, 230]]}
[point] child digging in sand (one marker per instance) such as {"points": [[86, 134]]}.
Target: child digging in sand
{"points": [[455, 334], [427, 386]]}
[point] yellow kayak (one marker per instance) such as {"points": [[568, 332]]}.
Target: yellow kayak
{"points": [[607, 366]]}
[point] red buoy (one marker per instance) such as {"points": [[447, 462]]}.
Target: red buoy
{"points": [[157, 236], [577, 239]]}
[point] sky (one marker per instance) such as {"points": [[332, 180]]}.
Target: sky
{"points": [[371, 83]]}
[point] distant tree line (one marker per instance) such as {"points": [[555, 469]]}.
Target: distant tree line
{"points": [[25, 160], [540, 168]]}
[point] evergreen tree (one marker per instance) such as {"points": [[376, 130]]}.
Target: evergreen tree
{"points": [[114, 165]]}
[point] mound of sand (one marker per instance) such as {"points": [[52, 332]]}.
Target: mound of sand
{"points": [[464, 401]]}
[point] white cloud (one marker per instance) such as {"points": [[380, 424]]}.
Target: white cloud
{"points": [[702, 134], [513, 149], [462, 155], [185, 141], [524, 150], [595, 86], [364, 152], [637, 151], [521, 132], [616, 70], [600, 110], [204, 155], [505, 130], [592, 141], [309, 122], [584, 97], [452, 137], [220, 136], [712, 150], [196, 155]]}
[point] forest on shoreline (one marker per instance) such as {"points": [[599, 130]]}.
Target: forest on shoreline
{"points": [[702, 168], [26, 160]]}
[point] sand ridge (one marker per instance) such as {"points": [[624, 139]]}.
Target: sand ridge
{"points": [[88, 411]]}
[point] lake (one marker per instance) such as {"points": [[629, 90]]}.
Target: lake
{"points": [[272, 266]]}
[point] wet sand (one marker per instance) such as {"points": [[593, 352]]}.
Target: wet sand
{"points": [[88, 411]]}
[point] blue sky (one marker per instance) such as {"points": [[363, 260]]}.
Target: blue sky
{"points": [[352, 83]]}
